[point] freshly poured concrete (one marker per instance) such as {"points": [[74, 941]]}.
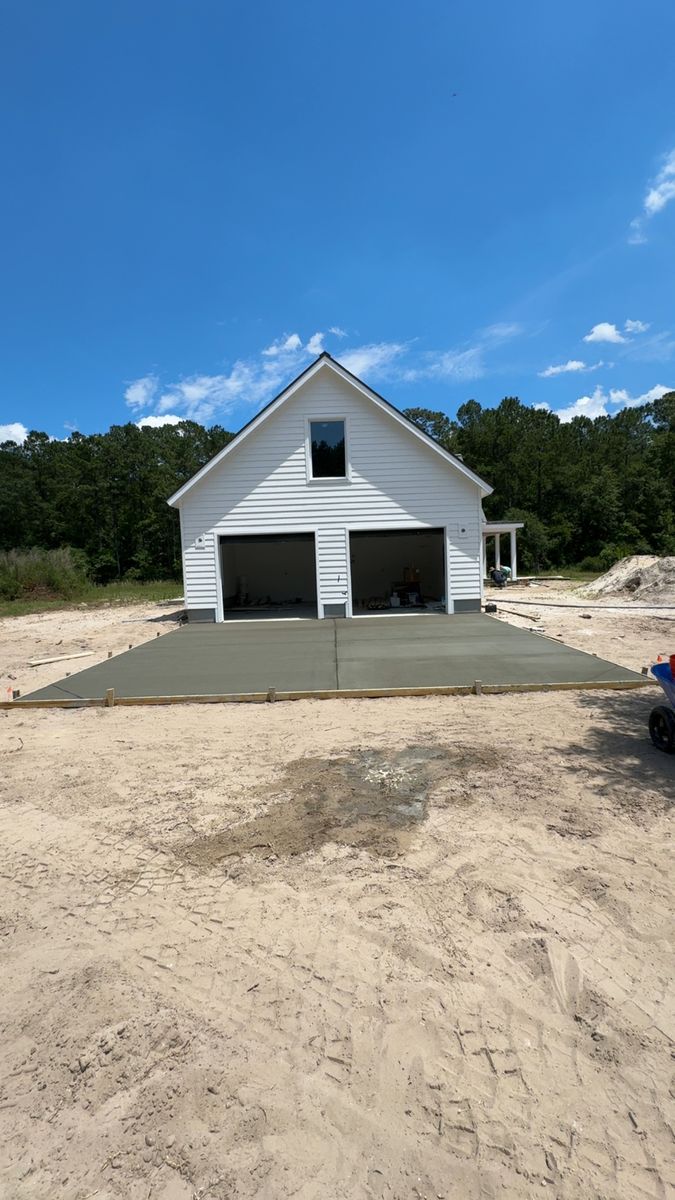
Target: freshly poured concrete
{"points": [[310, 656]]}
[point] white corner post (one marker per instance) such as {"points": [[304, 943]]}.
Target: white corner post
{"points": [[498, 553], [514, 557]]}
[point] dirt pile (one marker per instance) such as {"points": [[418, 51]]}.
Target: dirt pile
{"points": [[643, 577]]}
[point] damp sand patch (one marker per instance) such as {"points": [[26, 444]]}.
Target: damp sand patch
{"points": [[370, 800]]}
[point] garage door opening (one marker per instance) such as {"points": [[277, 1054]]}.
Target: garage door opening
{"points": [[272, 575], [398, 571]]}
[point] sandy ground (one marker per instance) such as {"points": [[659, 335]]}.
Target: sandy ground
{"points": [[72, 631], [395, 948], [615, 629]]}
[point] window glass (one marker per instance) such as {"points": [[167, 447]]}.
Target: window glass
{"points": [[328, 449]]}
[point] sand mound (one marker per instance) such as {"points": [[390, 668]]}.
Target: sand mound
{"points": [[643, 577]]}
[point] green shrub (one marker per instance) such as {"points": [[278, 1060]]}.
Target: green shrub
{"points": [[48, 573], [594, 563]]}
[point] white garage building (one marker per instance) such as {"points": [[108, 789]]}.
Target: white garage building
{"points": [[331, 503]]}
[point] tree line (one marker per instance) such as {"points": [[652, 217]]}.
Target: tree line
{"points": [[589, 491], [104, 495]]}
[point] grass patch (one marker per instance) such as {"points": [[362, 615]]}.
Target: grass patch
{"points": [[96, 596], [579, 576]]}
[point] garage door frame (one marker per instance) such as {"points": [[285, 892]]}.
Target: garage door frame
{"points": [[449, 605], [247, 532]]}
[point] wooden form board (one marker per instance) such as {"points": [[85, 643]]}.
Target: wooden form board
{"points": [[485, 689]]}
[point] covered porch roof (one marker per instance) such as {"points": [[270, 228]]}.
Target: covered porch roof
{"points": [[497, 527]]}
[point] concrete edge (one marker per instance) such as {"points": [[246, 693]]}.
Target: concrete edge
{"points": [[485, 689]]}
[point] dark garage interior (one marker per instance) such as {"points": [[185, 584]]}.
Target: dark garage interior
{"points": [[398, 570], [268, 575]]}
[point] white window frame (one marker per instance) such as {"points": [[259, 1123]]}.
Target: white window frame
{"points": [[326, 480]]}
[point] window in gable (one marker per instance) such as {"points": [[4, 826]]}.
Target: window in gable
{"points": [[328, 449]]}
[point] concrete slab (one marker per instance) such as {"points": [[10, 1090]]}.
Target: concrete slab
{"points": [[213, 660], [435, 651], [314, 656]]}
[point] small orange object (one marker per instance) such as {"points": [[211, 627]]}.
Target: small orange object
{"points": [[658, 658]]}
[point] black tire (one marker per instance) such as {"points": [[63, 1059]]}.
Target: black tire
{"points": [[662, 728]]}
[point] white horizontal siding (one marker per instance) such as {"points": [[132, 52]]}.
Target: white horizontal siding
{"points": [[396, 482], [332, 552]]}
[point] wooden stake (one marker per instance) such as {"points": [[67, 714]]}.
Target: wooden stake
{"points": [[109, 697], [477, 687], [271, 694]]}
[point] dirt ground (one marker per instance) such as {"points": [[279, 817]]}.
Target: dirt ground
{"points": [[631, 634], [335, 949]]}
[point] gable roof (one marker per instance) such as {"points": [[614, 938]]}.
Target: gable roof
{"points": [[323, 362]]}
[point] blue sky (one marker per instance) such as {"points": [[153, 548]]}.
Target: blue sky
{"points": [[455, 199]]}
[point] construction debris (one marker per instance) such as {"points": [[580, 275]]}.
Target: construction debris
{"points": [[42, 662]]}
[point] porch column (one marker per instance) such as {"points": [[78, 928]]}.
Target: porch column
{"points": [[483, 559], [498, 553], [514, 559]]}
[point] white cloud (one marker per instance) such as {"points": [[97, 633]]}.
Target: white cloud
{"points": [[14, 432], [635, 326], [607, 331], [284, 345], [623, 398], [202, 397], [502, 331], [636, 236], [153, 422], [586, 406], [543, 407], [141, 393], [659, 193], [463, 363], [658, 347], [458, 364], [253, 381], [597, 404], [573, 364], [604, 332], [365, 360], [662, 190]]}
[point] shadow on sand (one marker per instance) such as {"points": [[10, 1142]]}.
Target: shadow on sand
{"points": [[617, 748]]}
